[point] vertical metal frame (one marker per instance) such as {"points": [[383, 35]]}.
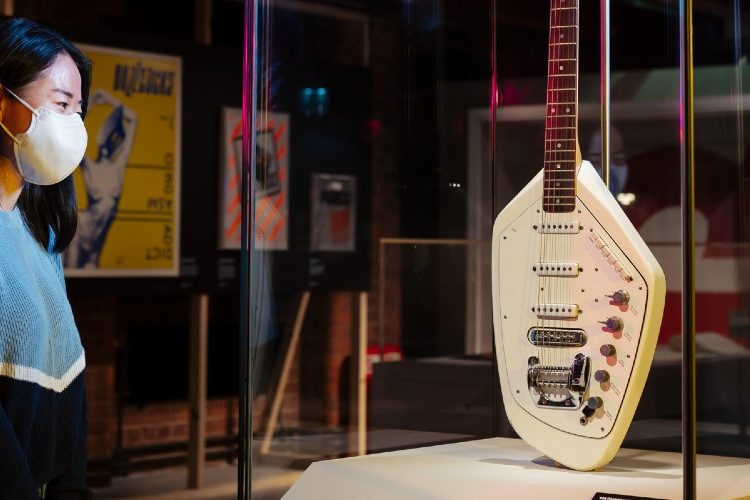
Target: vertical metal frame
{"points": [[249, 63], [687, 143], [498, 410], [604, 86]]}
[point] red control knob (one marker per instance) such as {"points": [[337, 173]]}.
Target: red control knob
{"points": [[607, 350]]}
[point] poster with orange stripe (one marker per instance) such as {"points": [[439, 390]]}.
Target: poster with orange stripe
{"points": [[271, 181]]}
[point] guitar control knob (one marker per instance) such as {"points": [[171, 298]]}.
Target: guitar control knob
{"points": [[620, 297], [601, 375], [607, 350], [594, 402], [613, 323]]}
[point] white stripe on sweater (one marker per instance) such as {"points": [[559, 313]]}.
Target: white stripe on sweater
{"points": [[28, 374]]}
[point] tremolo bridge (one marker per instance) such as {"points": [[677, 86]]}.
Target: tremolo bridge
{"points": [[559, 386]]}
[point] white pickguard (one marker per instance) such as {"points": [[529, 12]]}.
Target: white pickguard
{"points": [[612, 257]]}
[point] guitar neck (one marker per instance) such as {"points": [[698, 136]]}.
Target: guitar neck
{"points": [[561, 125]]}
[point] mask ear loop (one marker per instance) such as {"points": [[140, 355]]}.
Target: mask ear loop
{"points": [[28, 106], [33, 111]]}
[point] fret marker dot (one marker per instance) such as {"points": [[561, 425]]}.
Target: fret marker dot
{"points": [[561, 66], [559, 145], [567, 110], [558, 165], [562, 36], [552, 110], [557, 200], [557, 183]]}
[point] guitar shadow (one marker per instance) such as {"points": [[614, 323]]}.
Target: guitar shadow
{"points": [[632, 467]]}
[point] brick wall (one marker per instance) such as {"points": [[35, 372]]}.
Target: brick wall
{"points": [[387, 104], [163, 423], [320, 384], [96, 319]]}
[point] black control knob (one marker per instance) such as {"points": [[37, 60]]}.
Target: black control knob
{"points": [[607, 350], [613, 323], [620, 298], [594, 402], [601, 375]]}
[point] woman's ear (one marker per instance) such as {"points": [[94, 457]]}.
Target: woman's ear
{"points": [[4, 100]]}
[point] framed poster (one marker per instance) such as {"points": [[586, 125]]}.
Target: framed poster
{"points": [[334, 212], [271, 181], [128, 184]]}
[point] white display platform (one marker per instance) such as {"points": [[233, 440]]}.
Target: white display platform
{"points": [[502, 468]]}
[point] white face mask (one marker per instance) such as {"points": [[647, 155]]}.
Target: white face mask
{"points": [[52, 147]]}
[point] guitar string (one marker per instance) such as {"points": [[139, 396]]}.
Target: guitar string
{"points": [[549, 134], [541, 236], [574, 120], [552, 281]]}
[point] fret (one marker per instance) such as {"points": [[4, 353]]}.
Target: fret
{"points": [[562, 70]]}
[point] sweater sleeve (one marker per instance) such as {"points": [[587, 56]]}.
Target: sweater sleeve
{"points": [[71, 484], [16, 480]]}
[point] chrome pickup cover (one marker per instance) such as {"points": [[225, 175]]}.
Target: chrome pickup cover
{"points": [[557, 337]]}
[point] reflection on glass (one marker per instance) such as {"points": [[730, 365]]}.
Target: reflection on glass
{"points": [[372, 326]]}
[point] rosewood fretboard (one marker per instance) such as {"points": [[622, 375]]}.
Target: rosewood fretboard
{"points": [[560, 133]]}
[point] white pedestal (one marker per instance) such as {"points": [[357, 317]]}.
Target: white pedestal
{"points": [[508, 468]]}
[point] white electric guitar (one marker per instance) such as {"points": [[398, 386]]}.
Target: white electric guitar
{"points": [[577, 296]]}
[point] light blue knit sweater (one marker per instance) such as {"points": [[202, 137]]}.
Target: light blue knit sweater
{"points": [[42, 397]]}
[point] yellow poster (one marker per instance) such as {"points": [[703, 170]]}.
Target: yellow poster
{"points": [[128, 184]]}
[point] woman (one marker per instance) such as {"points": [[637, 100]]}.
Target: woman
{"points": [[44, 86]]}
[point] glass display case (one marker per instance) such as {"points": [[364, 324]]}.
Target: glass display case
{"points": [[381, 141]]}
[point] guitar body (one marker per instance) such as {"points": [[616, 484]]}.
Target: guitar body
{"points": [[577, 302]]}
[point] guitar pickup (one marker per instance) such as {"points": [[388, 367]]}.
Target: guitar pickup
{"points": [[572, 227], [557, 337], [559, 311], [570, 269]]}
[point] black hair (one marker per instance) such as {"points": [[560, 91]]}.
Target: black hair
{"points": [[27, 48]]}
